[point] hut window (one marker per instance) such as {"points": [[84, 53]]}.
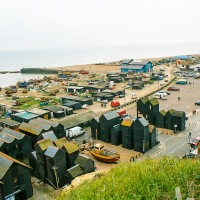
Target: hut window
{"points": [[16, 146], [150, 107]]}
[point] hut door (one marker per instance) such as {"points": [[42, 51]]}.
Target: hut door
{"points": [[148, 69], [46, 117]]}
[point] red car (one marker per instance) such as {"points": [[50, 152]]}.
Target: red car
{"points": [[173, 88], [114, 103]]}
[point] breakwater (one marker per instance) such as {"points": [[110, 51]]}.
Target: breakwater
{"points": [[38, 71]]}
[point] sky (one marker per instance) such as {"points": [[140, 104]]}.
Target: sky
{"points": [[35, 24]]}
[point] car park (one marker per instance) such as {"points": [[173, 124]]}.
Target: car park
{"points": [[173, 88], [197, 103]]}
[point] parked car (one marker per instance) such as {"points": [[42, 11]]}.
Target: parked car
{"points": [[114, 103], [173, 88], [197, 103], [84, 106]]}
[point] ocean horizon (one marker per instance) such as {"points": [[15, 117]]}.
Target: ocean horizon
{"points": [[69, 56]]}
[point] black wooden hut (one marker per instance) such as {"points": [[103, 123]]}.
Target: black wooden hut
{"points": [[49, 134], [107, 121], [178, 120], [32, 131], [127, 133], [72, 104], [56, 127], [15, 177], [72, 151], [23, 147], [153, 109], [141, 135], [86, 163], [33, 163], [6, 122], [56, 166], [60, 142], [168, 119], [160, 119], [74, 172], [40, 147], [153, 140], [45, 114], [142, 110], [95, 128], [116, 135]]}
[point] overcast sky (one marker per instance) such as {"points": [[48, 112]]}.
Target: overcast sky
{"points": [[33, 24]]}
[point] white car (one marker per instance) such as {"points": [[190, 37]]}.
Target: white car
{"points": [[84, 106]]}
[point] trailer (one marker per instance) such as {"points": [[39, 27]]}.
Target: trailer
{"points": [[74, 132]]}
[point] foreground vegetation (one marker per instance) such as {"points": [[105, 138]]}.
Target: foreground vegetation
{"points": [[152, 179]]}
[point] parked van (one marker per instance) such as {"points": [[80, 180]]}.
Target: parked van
{"points": [[181, 81], [134, 96], [160, 95], [114, 103], [73, 132]]}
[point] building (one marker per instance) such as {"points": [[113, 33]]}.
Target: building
{"points": [[160, 119], [45, 114], [23, 116], [95, 128], [74, 172], [19, 149], [153, 137], [15, 178], [40, 147], [85, 163], [136, 66], [107, 121], [72, 152], [56, 166], [9, 123], [50, 135], [141, 135], [56, 127]]}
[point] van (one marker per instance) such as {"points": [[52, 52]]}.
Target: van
{"points": [[73, 132], [160, 95], [134, 96], [115, 103], [181, 81]]}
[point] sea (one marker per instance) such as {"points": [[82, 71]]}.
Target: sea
{"points": [[78, 55]]}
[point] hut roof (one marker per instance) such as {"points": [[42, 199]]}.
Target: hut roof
{"points": [[75, 171], [143, 121], [51, 151], [60, 142], [46, 121], [127, 122], [151, 127], [154, 101], [38, 111], [6, 162], [34, 155], [16, 134], [71, 147], [163, 112], [170, 111], [111, 115], [9, 122], [26, 115], [144, 99], [54, 108], [50, 135], [82, 160], [2, 142], [43, 125], [44, 144], [69, 122], [7, 137], [177, 113], [96, 119], [30, 128]]}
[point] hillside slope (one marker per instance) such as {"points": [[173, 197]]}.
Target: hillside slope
{"points": [[151, 179]]}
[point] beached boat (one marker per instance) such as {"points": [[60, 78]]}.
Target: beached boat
{"points": [[104, 155]]}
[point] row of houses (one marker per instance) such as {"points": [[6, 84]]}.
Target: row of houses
{"points": [[171, 119], [134, 133]]}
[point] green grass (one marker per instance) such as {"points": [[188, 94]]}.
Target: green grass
{"points": [[152, 179]]}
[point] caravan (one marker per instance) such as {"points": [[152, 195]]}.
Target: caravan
{"points": [[160, 95]]}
